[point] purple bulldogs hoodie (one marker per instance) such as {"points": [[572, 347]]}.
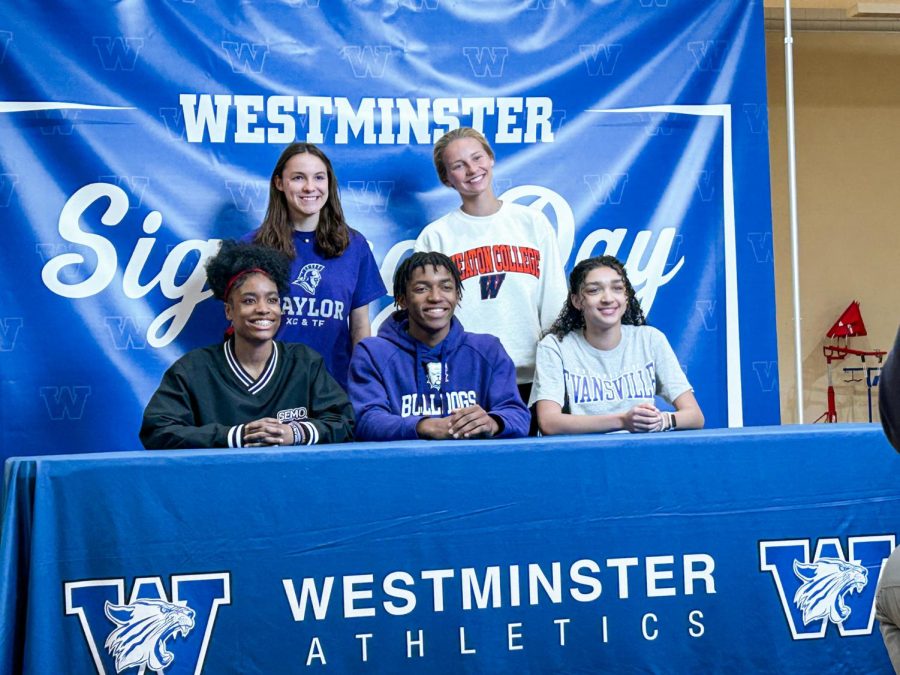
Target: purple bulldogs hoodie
{"points": [[395, 381]]}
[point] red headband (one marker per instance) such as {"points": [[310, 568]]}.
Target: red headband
{"points": [[240, 274]]}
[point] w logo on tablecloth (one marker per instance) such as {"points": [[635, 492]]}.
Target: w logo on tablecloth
{"points": [[152, 630], [832, 588]]}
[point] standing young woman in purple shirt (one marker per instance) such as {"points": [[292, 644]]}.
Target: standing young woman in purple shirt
{"points": [[334, 276]]}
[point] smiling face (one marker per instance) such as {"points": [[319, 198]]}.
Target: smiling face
{"points": [[602, 299], [254, 309], [430, 300], [304, 183], [470, 169]]}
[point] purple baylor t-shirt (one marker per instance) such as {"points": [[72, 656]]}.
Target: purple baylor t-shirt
{"points": [[322, 294]]}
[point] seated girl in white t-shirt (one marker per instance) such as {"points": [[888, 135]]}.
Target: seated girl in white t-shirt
{"points": [[600, 367]]}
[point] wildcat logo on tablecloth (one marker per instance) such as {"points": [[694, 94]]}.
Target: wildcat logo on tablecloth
{"points": [[154, 629], [829, 588]]}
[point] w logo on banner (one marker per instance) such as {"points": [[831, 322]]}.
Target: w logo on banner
{"points": [[247, 195], [490, 285], [709, 55], [761, 242], [174, 122], [486, 61], [706, 184], [371, 195], [367, 61], [65, 403], [244, 57], [600, 59], [54, 122], [657, 124], [706, 309], [608, 188], [150, 631], [830, 588], [118, 53], [9, 331], [127, 332], [757, 116], [766, 374], [136, 185]]}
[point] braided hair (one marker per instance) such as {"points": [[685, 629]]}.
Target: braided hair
{"points": [[418, 260], [571, 318], [229, 268]]}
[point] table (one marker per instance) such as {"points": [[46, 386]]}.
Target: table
{"points": [[680, 552]]}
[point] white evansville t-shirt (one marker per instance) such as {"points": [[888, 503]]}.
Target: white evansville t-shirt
{"points": [[585, 380]]}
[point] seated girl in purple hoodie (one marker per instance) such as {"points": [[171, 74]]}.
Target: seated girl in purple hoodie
{"points": [[423, 376]]}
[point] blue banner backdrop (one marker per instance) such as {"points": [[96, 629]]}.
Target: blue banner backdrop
{"points": [[134, 136]]}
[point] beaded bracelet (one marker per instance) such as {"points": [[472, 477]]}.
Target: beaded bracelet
{"points": [[299, 432]]}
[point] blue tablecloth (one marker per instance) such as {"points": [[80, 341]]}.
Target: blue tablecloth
{"points": [[746, 550]]}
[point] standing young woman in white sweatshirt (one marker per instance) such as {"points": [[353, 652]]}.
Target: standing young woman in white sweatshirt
{"points": [[507, 255]]}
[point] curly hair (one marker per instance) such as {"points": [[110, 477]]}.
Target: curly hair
{"points": [[440, 146], [228, 269], [571, 318], [405, 270], [332, 232]]}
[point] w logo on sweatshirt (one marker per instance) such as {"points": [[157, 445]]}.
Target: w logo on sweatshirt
{"points": [[490, 285]]}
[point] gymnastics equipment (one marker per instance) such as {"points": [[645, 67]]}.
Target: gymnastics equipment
{"points": [[850, 324]]}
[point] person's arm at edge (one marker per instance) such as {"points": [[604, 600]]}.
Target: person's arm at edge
{"points": [[423, 241], [359, 324], [687, 412], [673, 385], [369, 288], [554, 285], [552, 420], [889, 395]]}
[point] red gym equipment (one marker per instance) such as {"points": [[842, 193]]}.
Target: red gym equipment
{"points": [[849, 325]]}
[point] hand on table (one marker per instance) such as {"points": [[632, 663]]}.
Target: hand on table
{"points": [[267, 431]]}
